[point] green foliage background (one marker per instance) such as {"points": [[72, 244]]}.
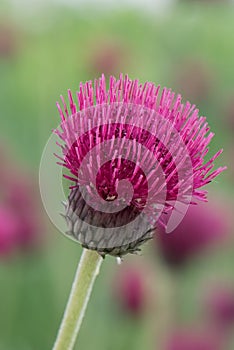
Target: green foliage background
{"points": [[52, 57]]}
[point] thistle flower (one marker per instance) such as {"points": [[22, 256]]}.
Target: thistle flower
{"points": [[136, 159], [133, 154], [203, 226]]}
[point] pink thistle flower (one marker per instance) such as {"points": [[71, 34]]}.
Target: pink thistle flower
{"points": [[202, 226], [133, 153]]}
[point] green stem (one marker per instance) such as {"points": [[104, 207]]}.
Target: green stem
{"points": [[87, 271]]}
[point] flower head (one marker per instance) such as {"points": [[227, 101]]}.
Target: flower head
{"points": [[133, 154]]}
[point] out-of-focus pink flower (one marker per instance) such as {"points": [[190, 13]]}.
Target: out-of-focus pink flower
{"points": [[107, 56], [228, 111], [230, 163], [187, 339], [219, 306], [8, 231], [20, 225], [194, 80], [132, 289], [8, 41], [202, 225], [22, 197]]}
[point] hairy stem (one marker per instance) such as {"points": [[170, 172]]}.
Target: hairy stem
{"points": [[87, 271]]}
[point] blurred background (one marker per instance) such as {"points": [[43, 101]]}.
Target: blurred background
{"points": [[179, 295]]}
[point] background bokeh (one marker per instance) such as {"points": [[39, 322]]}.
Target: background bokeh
{"points": [[182, 290]]}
